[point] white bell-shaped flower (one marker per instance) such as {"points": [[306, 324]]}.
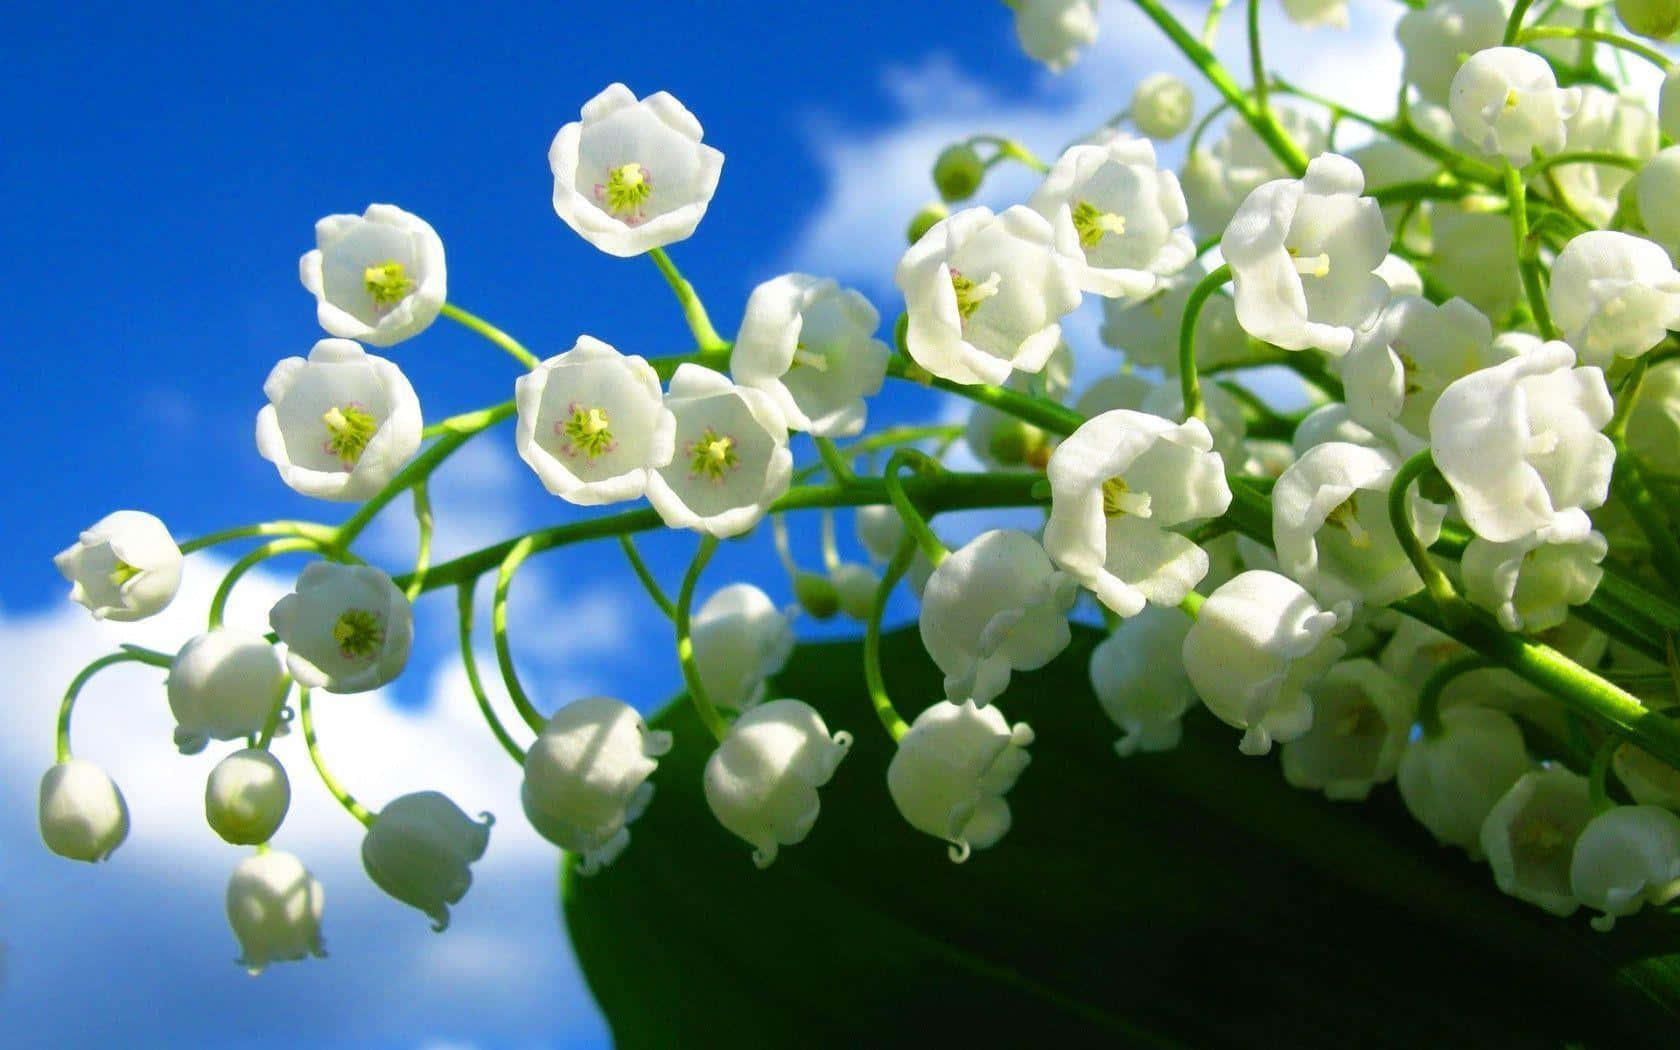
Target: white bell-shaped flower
{"points": [[125, 566], [1227, 421], [1656, 189], [1124, 389], [377, 277], [593, 423], [1362, 716], [1126, 214], [1437, 36], [1529, 836], [1506, 100], [1451, 782], [1142, 692], [420, 848], [855, 585], [274, 906], [1613, 295], [810, 344], [222, 685], [1606, 122], [1529, 583], [1398, 367], [879, 529], [586, 778], [1401, 276], [740, 639], [1162, 106], [1053, 31], [1653, 432], [993, 606], [1257, 647], [1303, 255], [761, 782], [951, 771], [1118, 485], [246, 797], [1147, 330], [1626, 858], [633, 175], [1475, 258], [732, 458], [1332, 421], [1519, 442], [985, 293], [347, 628], [1331, 528], [1218, 178], [83, 815], [1310, 14], [1650, 780], [340, 424]]}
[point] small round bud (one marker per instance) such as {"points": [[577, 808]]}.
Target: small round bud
{"points": [[1162, 106], [246, 797], [923, 220], [83, 815], [1657, 19], [816, 594], [854, 588], [1014, 443], [274, 906], [957, 172]]}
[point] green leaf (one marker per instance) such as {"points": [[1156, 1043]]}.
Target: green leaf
{"points": [[1184, 899]]}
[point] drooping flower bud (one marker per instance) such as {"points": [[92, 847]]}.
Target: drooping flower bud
{"points": [[1529, 837], [1657, 19], [951, 771], [741, 639], [222, 685], [1162, 106], [957, 172], [1626, 858], [761, 782], [1053, 31], [246, 797], [419, 848], [1451, 782], [274, 906], [1143, 693], [82, 814]]}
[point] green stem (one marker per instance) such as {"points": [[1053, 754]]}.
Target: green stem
{"points": [[1632, 47], [1189, 382], [492, 333], [1192, 604], [694, 311], [1429, 696], [1628, 482], [1527, 263], [423, 557], [1615, 160], [1460, 165], [914, 523], [1513, 24], [301, 529], [1400, 519], [510, 564], [891, 720], [62, 735], [1210, 25], [645, 575], [1256, 63], [832, 459], [330, 782], [464, 618], [271, 724], [1042, 413], [253, 558], [1598, 775], [703, 706]]}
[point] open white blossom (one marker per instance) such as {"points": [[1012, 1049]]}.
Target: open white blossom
{"points": [[732, 459], [1613, 295], [1519, 442], [1053, 31], [125, 566], [1451, 782], [1118, 485], [593, 423], [246, 797], [339, 424], [761, 783], [1303, 255], [811, 345], [1257, 647], [586, 778], [347, 628], [274, 906], [1626, 858], [82, 814], [1437, 36], [1127, 216], [1332, 421], [633, 175], [419, 850], [1529, 583], [1162, 106], [1506, 100], [995, 605], [740, 639], [1397, 368], [1529, 837], [1606, 122], [1362, 717], [222, 685], [1142, 692], [1218, 178], [1227, 420], [985, 293], [377, 277], [951, 771]]}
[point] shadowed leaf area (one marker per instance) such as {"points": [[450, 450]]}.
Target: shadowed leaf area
{"points": [[1185, 899]]}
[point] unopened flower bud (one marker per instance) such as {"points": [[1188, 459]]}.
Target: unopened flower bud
{"points": [[1162, 106], [419, 848], [854, 586], [761, 782], [246, 797], [1657, 19], [816, 594], [957, 173], [83, 815], [951, 771], [274, 906], [222, 684], [924, 220]]}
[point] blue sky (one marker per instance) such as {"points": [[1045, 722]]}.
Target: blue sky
{"points": [[165, 165]]}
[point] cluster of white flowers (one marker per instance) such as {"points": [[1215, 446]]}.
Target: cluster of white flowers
{"points": [[1482, 299]]}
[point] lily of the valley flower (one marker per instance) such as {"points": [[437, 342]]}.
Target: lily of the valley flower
{"points": [[1437, 36], [83, 815], [586, 778], [274, 906], [633, 175], [1313, 13], [1606, 122], [125, 566], [419, 849], [1529, 583], [1362, 716], [740, 639], [1626, 858], [1650, 780], [1219, 177], [246, 797], [1053, 31], [1398, 368], [731, 461], [1147, 330], [1653, 433], [347, 628], [593, 423], [340, 424], [1142, 691], [1506, 100], [1451, 782], [761, 783], [1613, 295], [1529, 837], [1162, 106], [951, 771], [222, 685], [377, 277]]}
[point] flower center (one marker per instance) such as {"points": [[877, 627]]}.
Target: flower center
{"points": [[627, 188], [122, 574], [1093, 223], [1360, 720], [1118, 498], [387, 282], [1511, 99], [803, 355], [713, 455], [1346, 517], [1311, 265], [349, 429], [587, 431], [971, 295], [1408, 372], [358, 634], [1541, 835]]}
